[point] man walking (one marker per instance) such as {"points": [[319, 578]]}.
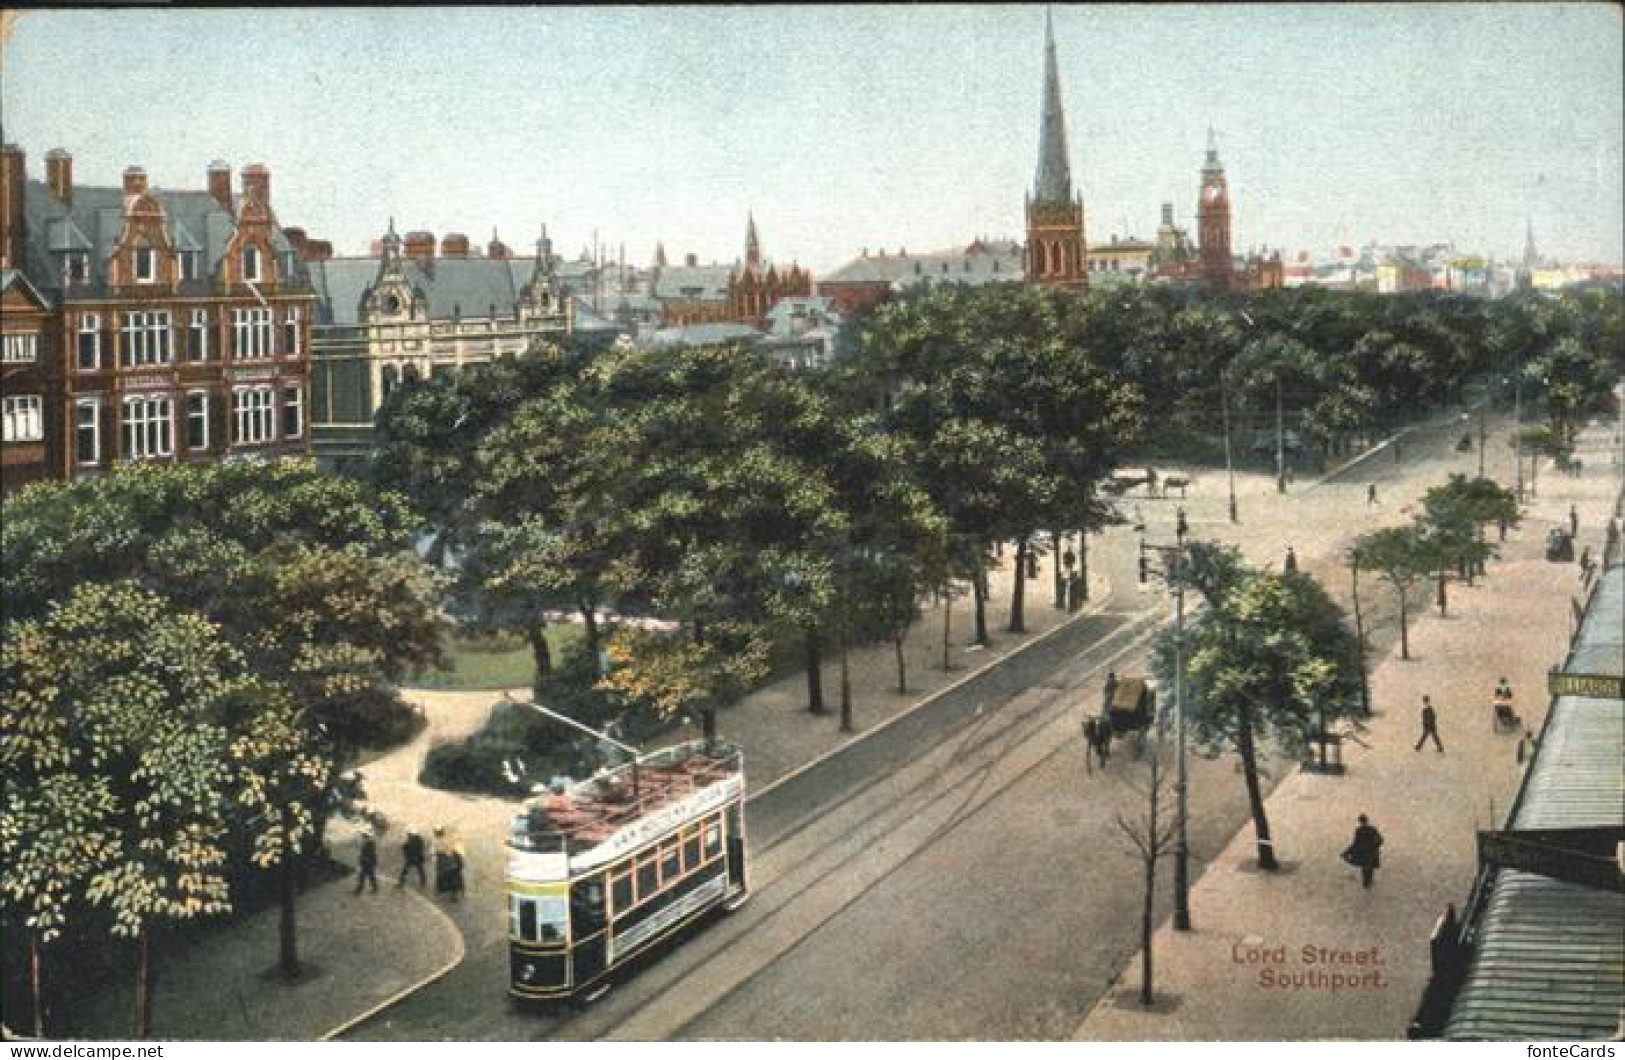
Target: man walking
{"points": [[1365, 851], [1430, 726], [1371, 495], [413, 854], [1574, 521], [1527, 747], [367, 870], [1290, 566]]}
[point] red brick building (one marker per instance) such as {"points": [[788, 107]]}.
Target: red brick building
{"points": [[175, 325]]}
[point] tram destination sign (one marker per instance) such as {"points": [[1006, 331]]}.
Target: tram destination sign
{"points": [[1595, 686]]}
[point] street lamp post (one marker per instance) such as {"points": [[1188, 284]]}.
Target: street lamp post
{"points": [[1280, 441], [1517, 429], [1229, 463]]}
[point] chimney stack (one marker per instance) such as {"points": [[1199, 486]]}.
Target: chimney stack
{"points": [[420, 246], [135, 181], [257, 182], [1168, 214], [13, 177], [497, 248], [299, 241], [454, 245], [691, 260], [59, 175], [220, 184]]}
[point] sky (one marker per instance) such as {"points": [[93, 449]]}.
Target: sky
{"points": [[844, 128]]}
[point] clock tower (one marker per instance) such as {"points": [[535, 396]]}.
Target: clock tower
{"points": [[1213, 221]]}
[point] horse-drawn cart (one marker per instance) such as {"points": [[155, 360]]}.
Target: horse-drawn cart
{"points": [[1132, 709]]}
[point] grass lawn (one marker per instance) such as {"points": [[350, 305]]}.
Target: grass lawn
{"points": [[474, 663]]}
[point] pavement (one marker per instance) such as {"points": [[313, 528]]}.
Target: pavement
{"points": [[1306, 953]]}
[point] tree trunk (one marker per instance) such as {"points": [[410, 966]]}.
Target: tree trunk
{"points": [[1359, 641], [1255, 794], [1441, 592], [287, 936], [979, 591], [1404, 629], [846, 684], [1056, 548], [143, 983], [815, 676], [33, 984], [902, 664], [1147, 932], [1018, 587], [536, 634], [589, 625], [1083, 564], [947, 626], [708, 725]]}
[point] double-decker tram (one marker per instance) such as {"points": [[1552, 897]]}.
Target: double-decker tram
{"points": [[606, 869]]}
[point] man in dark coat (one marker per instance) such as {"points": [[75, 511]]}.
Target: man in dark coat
{"points": [[367, 864], [413, 852], [1365, 851], [1430, 726]]}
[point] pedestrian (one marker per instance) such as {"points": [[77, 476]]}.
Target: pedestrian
{"points": [[457, 863], [1090, 725], [1291, 564], [1103, 741], [1501, 525], [367, 864], [442, 862], [1430, 726], [1574, 521], [1108, 694], [1364, 852], [1371, 495], [412, 857], [1527, 747]]}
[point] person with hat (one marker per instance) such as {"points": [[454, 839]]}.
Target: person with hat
{"points": [[367, 865], [413, 852]]}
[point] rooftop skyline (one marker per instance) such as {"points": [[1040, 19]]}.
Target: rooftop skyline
{"points": [[841, 129]]}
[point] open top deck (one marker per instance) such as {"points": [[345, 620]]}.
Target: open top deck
{"points": [[594, 810]]}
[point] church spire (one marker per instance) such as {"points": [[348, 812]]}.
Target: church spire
{"points": [[1530, 257], [1053, 183], [753, 243]]}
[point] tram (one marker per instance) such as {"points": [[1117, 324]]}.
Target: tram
{"points": [[608, 868]]}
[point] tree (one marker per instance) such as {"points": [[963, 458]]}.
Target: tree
{"points": [[1151, 835], [1456, 513], [1271, 659], [672, 675], [1402, 557], [111, 715]]}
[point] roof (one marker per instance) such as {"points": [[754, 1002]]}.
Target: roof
{"points": [[470, 287], [707, 282], [701, 335], [1550, 956], [998, 262], [11, 277]]}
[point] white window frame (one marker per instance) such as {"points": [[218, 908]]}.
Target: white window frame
{"points": [[147, 427], [253, 415], [251, 333], [89, 324], [146, 338], [197, 415], [293, 400], [251, 263], [290, 332], [21, 347], [189, 261], [95, 425], [22, 418], [75, 268], [148, 257], [197, 328]]}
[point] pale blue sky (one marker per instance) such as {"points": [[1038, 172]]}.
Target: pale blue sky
{"points": [[845, 128]]}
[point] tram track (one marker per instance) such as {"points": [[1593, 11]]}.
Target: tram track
{"points": [[974, 773]]}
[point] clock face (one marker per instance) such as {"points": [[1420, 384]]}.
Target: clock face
{"points": [[1211, 194], [391, 304]]}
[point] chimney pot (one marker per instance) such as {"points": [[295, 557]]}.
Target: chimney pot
{"points": [[257, 182], [135, 181], [59, 175], [220, 184]]}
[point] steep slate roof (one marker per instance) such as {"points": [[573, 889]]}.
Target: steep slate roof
{"points": [[710, 280], [195, 220], [1001, 261], [471, 286]]}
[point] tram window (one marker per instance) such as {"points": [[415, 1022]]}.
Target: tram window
{"points": [[671, 865], [553, 918], [527, 920], [648, 876], [691, 850], [620, 891], [713, 838]]}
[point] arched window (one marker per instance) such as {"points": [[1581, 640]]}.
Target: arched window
{"points": [[251, 264]]}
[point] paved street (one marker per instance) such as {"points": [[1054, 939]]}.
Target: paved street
{"points": [[998, 816]]}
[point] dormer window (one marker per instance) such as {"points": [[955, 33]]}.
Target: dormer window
{"points": [[189, 264], [75, 268], [251, 264], [146, 265]]}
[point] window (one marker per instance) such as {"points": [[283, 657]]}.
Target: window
{"points": [[290, 331], [197, 332], [620, 891], [671, 864], [251, 264], [713, 838], [189, 264], [147, 428], [21, 349], [251, 419], [146, 264], [293, 420], [21, 420], [146, 339], [648, 877], [691, 849], [75, 268], [90, 342], [197, 420], [88, 431], [251, 331], [540, 919]]}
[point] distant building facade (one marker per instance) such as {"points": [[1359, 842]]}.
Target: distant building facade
{"points": [[410, 313], [870, 279], [151, 325]]}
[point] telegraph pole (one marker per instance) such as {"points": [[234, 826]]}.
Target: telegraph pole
{"points": [[1229, 464]]}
